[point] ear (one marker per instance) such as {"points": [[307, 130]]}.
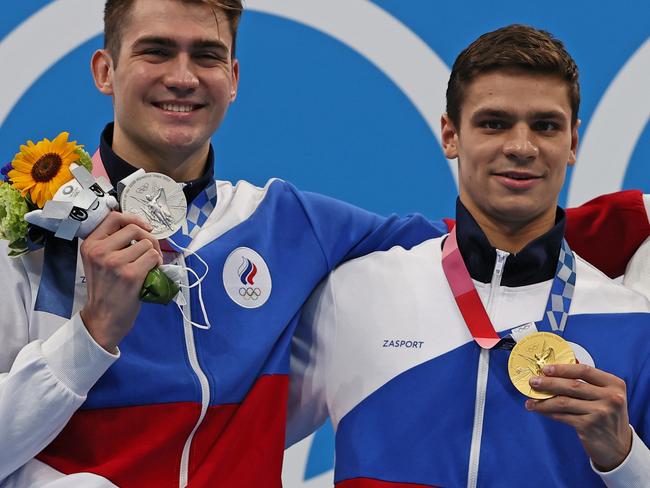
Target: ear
{"points": [[449, 137], [235, 80], [35, 217], [574, 143], [101, 65]]}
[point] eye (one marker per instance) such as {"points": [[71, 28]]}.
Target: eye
{"points": [[97, 190], [209, 58], [492, 124], [155, 53], [78, 214], [208, 55], [546, 126]]}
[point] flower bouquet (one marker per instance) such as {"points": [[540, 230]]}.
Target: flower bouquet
{"points": [[49, 187], [30, 180]]}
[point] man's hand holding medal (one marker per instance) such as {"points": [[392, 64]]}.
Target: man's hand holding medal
{"points": [[591, 401], [117, 257]]}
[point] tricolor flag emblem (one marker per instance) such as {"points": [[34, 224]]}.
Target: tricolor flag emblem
{"points": [[247, 272]]}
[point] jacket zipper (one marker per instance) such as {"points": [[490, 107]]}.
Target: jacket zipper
{"points": [[203, 381], [482, 378]]}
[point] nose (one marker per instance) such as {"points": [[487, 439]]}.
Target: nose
{"points": [[520, 144], [181, 77]]}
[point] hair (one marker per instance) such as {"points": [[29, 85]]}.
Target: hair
{"points": [[513, 47], [116, 14]]}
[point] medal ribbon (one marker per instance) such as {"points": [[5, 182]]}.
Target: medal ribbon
{"points": [[471, 308]]}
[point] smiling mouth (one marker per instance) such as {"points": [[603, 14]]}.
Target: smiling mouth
{"points": [[178, 107], [518, 176]]}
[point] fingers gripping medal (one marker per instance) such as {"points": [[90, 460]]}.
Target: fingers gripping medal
{"points": [[157, 199], [531, 354], [160, 201]]}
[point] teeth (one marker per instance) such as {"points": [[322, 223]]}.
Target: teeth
{"points": [[177, 108]]}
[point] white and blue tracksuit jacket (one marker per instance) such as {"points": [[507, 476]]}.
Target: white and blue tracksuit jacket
{"points": [[384, 351]]}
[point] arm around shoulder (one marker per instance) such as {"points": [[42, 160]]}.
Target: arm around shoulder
{"points": [[608, 230], [346, 232]]}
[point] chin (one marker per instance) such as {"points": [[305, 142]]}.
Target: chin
{"points": [[182, 141], [519, 213]]}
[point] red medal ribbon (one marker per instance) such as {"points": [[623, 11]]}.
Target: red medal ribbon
{"points": [[467, 298], [98, 166]]}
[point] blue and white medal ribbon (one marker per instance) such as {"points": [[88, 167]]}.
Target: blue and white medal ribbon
{"points": [[559, 300]]}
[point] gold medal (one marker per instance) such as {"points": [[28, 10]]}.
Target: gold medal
{"points": [[531, 354]]}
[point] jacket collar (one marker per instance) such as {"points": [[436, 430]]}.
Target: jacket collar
{"points": [[117, 168], [535, 263]]}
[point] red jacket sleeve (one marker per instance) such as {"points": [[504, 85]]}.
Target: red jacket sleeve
{"points": [[607, 230]]}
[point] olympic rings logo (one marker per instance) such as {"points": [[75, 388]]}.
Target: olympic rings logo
{"points": [[250, 293]]}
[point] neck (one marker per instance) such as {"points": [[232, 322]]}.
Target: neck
{"points": [[180, 165], [513, 236]]}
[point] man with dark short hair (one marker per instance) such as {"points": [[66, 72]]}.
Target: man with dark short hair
{"points": [[198, 395], [423, 357]]}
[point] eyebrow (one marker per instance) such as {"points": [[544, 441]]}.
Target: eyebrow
{"points": [[503, 114], [550, 114], [167, 42], [487, 112]]}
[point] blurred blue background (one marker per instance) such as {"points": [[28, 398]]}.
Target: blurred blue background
{"points": [[314, 110]]}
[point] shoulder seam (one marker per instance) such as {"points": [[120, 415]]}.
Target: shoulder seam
{"points": [[311, 224]]}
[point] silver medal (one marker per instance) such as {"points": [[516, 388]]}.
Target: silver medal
{"points": [[157, 199]]}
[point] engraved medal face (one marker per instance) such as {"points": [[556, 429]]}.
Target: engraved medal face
{"points": [[157, 199], [531, 354]]}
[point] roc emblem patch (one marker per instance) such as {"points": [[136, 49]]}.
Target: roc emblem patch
{"points": [[246, 278]]}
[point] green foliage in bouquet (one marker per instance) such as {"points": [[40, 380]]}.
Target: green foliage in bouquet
{"points": [[13, 227]]}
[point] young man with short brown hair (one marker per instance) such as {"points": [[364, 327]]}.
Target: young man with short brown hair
{"points": [[420, 356]]}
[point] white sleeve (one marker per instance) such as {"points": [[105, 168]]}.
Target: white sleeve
{"points": [[637, 274], [310, 358], [42, 383], [634, 471]]}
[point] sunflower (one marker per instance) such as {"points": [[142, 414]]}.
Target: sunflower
{"points": [[40, 169]]}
